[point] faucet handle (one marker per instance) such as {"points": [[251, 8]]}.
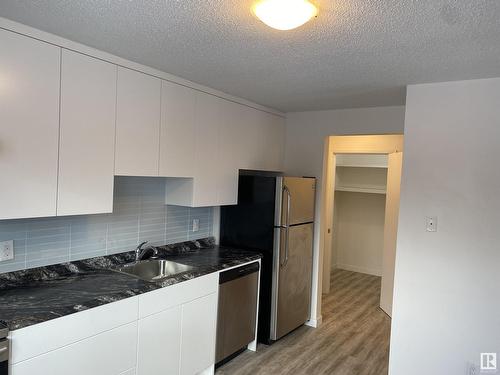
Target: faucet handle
{"points": [[153, 249]]}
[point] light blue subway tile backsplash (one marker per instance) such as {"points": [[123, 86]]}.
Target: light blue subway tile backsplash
{"points": [[139, 214], [177, 222], [88, 236]]}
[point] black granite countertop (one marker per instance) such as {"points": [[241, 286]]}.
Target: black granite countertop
{"points": [[41, 294]]}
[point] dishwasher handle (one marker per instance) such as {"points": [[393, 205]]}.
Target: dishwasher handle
{"points": [[236, 273], [4, 352]]}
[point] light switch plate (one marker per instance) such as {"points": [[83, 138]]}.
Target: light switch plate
{"points": [[431, 223], [6, 250], [196, 225]]}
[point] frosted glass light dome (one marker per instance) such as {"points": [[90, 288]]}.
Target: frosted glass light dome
{"points": [[284, 14]]}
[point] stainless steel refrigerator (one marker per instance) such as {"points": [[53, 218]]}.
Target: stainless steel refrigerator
{"points": [[274, 216]]}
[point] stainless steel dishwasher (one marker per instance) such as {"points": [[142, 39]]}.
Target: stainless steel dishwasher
{"points": [[4, 350], [237, 310]]}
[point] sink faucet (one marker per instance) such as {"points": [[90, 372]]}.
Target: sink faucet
{"points": [[140, 252]]}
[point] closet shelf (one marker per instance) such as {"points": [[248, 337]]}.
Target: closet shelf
{"points": [[361, 180], [362, 160], [358, 189]]}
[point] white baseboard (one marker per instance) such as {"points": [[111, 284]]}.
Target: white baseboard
{"points": [[369, 271], [315, 323]]}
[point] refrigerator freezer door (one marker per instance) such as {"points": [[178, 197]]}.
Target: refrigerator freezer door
{"points": [[293, 290], [301, 192]]}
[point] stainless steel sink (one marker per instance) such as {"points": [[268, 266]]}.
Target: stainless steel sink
{"points": [[153, 270]]}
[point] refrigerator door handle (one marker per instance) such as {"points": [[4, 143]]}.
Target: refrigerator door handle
{"points": [[287, 223]]}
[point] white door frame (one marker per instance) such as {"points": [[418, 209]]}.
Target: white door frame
{"points": [[359, 144]]}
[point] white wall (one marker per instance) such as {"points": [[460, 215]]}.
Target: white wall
{"points": [[306, 132], [358, 243], [446, 299]]}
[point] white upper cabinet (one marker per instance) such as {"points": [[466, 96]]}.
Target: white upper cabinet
{"points": [[265, 134], [70, 122], [249, 149], [87, 135], [206, 147], [177, 135], [255, 132], [29, 126], [230, 158], [228, 137], [138, 115], [274, 142], [252, 129], [260, 139], [201, 190]]}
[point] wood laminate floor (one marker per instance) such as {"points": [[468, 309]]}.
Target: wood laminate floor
{"points": [[353, 339]]}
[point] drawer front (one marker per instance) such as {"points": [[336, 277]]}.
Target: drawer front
{"points": [[41, 338], [178, 294], [109, 353]]}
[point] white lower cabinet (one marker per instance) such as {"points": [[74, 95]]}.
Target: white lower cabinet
{"points": [[177, 328], [199, 322], [169, 331], [180, 340], [159, 339], [108, 353]]}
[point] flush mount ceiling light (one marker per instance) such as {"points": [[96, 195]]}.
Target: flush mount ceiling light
{"points": [[284, 14]]}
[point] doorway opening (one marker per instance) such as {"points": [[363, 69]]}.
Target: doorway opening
{"points": [[359, 213], [359, 217]]}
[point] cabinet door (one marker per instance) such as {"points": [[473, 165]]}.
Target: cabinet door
{"points": [[159, 343], [229, 158], [110, 353], [264, 136], [138, 115], [29, 126], [274, 142], [199, 319], [87, 135], [177, 136], [251, 144], [208, 118]]}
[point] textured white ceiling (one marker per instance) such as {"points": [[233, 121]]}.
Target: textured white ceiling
{"points": [[357, 53]]}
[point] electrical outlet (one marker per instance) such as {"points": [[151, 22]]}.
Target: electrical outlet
{"points": [[196, 225], [472, 369], [6, 250]]}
